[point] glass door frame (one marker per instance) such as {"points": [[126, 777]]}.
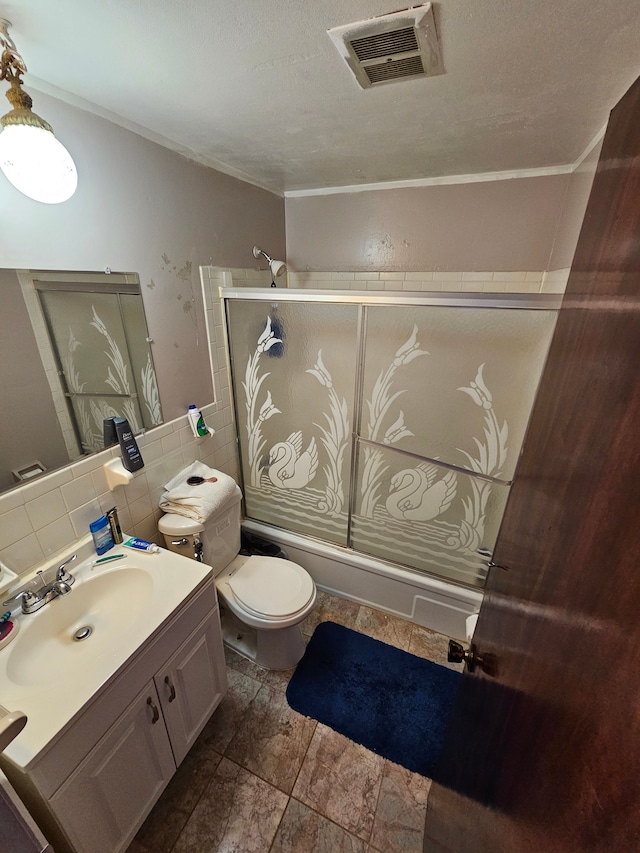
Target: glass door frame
{"points": [[364, 299]]}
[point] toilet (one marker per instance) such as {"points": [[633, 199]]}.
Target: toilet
{"points": [[263, 599]]}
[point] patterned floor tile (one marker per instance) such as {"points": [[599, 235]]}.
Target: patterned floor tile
{"points": [[237, 812], [398, 826], [227, 719], [272, 677], [273, 739], [432, 646], [163, 826], [330, 608], [340, 780], [385, 627], [302, 829]]}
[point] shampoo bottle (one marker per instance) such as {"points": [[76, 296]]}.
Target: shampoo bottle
{"points": [[131, 456], [198, 426]]}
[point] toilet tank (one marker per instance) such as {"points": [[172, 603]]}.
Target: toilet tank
{"points": [[220, 536]]}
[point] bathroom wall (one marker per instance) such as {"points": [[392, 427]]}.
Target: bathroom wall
{"points": [[573, 209], [496, 225], [142, 208]]}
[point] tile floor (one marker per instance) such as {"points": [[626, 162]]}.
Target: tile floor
{"points": [[262, 778]]}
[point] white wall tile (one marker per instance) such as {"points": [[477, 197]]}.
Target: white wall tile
{"points": [[11, 500], [137, 487], [24, 554], [82, 517], [171, 442], [509, 276], [54, 537], [140, 509], [419, 276], [46, 484], [14, 525], [79, 491], [45, 509]]}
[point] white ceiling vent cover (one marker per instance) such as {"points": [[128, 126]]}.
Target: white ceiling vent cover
{"points": [[393, 47]]}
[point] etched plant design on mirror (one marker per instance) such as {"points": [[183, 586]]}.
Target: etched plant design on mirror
{"points": [[90, 413]]}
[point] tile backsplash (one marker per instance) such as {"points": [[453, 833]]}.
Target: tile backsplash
{"points": [[50, 514], [540, 281]]}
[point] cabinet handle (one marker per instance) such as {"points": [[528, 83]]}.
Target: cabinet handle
{"points": [[156, 714], [172, 689]]}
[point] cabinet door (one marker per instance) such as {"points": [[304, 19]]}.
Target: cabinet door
{"points": [[104, 802], [192, 685]]}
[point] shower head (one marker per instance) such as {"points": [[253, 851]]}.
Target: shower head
{"points": [[277, 268]]}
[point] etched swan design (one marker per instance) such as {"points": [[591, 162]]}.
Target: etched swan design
{"points": [[289, 468], [416, 495]]}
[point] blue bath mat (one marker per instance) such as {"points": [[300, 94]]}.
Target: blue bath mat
{"points": [[393, 703]]}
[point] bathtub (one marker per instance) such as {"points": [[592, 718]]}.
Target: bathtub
{"points": [[426, 600]]}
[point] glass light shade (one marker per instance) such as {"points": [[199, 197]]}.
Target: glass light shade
{"points": [[37, 164]]}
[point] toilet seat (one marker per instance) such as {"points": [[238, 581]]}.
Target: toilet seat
{"points": [[271, 588]]}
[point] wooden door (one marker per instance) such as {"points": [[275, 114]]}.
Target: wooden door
{"points": [[545, 756]]}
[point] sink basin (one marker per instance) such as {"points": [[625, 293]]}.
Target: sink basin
{"points": [[76, 628]]}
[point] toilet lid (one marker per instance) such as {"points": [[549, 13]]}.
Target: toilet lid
{"points": [[270, 586]]}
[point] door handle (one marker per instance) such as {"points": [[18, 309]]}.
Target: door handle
{"points": [[458, 654]]}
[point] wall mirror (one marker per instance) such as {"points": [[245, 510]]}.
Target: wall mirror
{"points": [[75, 350]]}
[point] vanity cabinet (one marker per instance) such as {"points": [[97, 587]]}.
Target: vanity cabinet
{"points": [[96, 784], [191, 686], [116, 785]]}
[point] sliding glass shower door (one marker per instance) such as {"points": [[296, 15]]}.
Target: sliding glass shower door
{"points": [[392, 429], [294, 379]]}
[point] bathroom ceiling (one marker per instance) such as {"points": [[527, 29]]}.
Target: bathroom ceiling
{"points": [[257, 89]]}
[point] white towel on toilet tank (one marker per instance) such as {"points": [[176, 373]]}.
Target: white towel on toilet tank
{"points": [[201, 501]]}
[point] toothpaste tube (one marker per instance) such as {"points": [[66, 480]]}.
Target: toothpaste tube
{"points": [[141, 545]]}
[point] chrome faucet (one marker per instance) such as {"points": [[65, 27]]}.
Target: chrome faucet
{"points": [[32, 599], [61, 584]]}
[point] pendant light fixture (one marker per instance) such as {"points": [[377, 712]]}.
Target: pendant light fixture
{"points": [[32, 159]]}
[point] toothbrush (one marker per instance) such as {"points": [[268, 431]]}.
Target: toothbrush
{"points": [[107, 559]]}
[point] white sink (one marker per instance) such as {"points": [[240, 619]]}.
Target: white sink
{"points": [[100, 609], [49, 674]]}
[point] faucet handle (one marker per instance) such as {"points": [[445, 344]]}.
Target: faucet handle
{"points": [[63, 566], [24, 596], [62, 574]]}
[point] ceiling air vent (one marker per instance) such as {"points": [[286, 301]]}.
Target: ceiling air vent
{"points": [[393, 47]]}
